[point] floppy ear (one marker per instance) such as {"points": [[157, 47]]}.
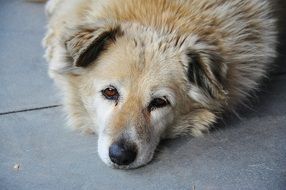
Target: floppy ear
{"points": [[207, 71], [82, 45], [86, 45]]}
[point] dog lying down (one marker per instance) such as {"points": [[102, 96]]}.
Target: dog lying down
{"points": [[137, 71]]}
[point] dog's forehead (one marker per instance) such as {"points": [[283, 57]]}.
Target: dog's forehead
{"points": [[137, 62]]}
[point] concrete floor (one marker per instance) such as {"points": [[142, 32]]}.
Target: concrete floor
{"points": [[249, 153]]}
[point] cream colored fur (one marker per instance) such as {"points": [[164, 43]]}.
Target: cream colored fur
{"points": [[235, 41]]}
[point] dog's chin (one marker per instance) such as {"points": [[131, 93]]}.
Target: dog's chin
{"points": [[137, 164]]}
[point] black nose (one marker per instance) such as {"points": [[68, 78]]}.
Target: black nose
{"points": [[122, 153]]}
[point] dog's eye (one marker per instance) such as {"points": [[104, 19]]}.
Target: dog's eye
{"points": [[110, 93], [157, 103]]}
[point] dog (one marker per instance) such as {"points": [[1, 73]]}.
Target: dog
{"points": [[138, 71]]}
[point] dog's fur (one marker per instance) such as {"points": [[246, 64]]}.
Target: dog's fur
{"points": [[204, 57]]}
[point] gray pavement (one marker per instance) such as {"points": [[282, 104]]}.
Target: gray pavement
{"points": [[245, 153]]}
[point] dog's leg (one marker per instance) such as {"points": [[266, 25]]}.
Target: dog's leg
{"points": [[194, 123]]}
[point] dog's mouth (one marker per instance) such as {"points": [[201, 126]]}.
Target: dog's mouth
{"points": [[134, 165]]}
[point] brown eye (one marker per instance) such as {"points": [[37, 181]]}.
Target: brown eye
{"points": [[157, 103], [110, 93]]}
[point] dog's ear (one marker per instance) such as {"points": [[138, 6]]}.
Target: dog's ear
{"points": [[76, 47], [85, 43], [207, 72]]}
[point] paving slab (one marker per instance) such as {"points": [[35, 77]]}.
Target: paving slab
{"points": [[22, 16], [23, 71], [249, 153]]}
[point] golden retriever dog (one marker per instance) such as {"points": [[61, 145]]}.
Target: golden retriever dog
{"points": [[137, 71]]}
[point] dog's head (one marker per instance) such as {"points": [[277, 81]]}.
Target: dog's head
{"points": [[140, 84]]}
